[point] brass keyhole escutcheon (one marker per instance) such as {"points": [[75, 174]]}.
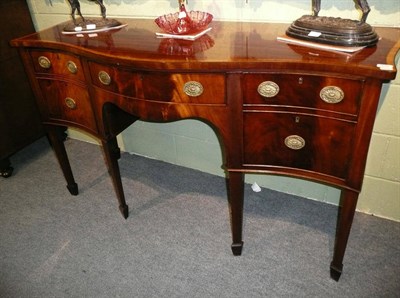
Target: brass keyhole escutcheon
{"points": [[331, 94], [44, 62], [268, 89], [72, 67], [193, 88], [70, 103], [295, 142], [104, 78]]}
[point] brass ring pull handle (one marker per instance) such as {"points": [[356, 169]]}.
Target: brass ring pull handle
{"points": [[104, 78], [295, 142], [70, 103], [268, 89], [44, 62], [331, 94], [193, 88], [72, 67]]}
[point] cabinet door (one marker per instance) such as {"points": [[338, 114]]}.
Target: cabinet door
{"points": [[306, 142]]}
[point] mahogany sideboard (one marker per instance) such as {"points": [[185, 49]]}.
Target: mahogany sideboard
{"points": [[277, 108]]}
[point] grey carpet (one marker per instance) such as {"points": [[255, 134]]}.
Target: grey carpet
{"points": [[176, 242]]}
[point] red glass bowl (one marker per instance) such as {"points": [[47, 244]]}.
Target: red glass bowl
{"points": [[200, 21]]}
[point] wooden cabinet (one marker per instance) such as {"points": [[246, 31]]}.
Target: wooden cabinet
{"points": [[277, 108], [19, 118]]}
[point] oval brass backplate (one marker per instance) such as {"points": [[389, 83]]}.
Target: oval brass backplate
{"points": [[268, 89], [193, 88], [331, 94], [295, 142], [44, 62], [104, 78], [70, 103], [72, 67]]}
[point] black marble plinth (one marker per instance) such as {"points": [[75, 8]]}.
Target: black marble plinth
{"points": [[334, 31], [91, 25]]}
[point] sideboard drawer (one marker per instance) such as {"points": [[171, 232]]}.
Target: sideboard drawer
{"points": [[69, 102], [309, 91], [292, 140], [194, 88], [191, 88], [56, 63]]}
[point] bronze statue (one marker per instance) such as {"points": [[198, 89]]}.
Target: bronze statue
{"points": [[76, 6], [363, 4], [89, 25]]}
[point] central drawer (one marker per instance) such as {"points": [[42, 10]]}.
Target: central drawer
{"points": [[190, 88], [307, 91], [307, 142]]}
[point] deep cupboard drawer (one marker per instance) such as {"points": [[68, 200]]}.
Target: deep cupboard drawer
{"points": [[315, 92], [194, 88], [68, 102], [306, 142], [57, 64]]}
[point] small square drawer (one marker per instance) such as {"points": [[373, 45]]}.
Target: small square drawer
{"points": [[115, 79], [69, 102], [191, 88], [315, 92], [307, 142], [56, 63]]}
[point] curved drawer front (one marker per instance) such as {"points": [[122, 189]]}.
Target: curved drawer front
{"points": [[315, 92], [67, 102], [305, 142], [58, 64], [185, 88], [190, 88]]}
